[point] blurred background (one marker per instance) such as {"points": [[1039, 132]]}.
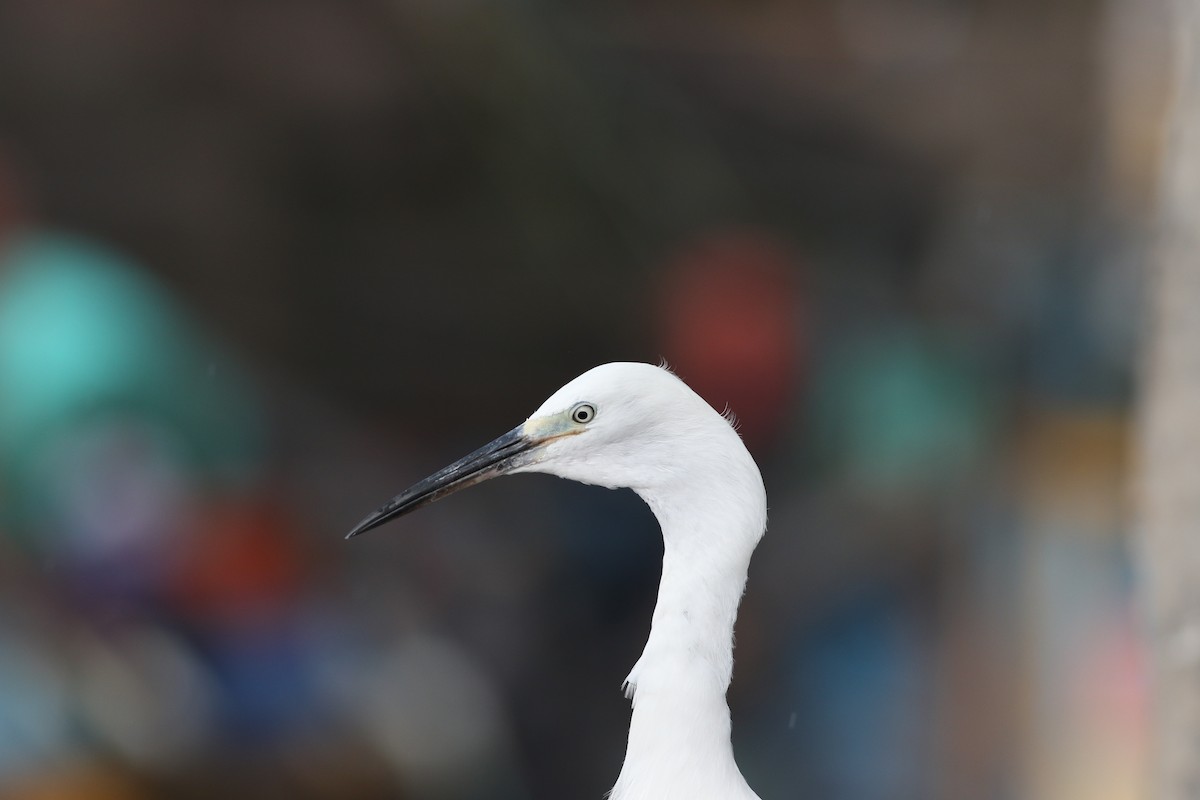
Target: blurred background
{"points": [[265, 263]]}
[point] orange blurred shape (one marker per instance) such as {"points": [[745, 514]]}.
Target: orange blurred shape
{"points": [[74, 782], [731, 320]]}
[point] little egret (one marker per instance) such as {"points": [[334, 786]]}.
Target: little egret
{"points": [[638, 426]]}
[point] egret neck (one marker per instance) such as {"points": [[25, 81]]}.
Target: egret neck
{"points": [[679, 734]]}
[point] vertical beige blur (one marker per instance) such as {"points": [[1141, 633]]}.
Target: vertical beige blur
{"points": [[1169, 483]]}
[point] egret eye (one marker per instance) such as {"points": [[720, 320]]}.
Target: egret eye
{"points": [[583, 413]]}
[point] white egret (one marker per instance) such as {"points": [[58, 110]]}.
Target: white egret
{"points": [[639, 426]]}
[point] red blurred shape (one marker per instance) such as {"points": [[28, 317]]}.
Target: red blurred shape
{"points": [[242, 567], [732, 326]]}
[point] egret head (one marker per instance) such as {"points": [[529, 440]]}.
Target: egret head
{"points": [[617, 425]]}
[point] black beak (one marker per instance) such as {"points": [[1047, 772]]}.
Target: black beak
{"points": [[487, 462]]}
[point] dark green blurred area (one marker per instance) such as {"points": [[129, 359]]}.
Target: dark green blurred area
{"points": [[263, 264]]}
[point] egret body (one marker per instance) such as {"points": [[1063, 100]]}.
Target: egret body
{"points": [[638, 426]]}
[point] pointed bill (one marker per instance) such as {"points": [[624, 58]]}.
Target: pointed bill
{"points": [[491, 460]]}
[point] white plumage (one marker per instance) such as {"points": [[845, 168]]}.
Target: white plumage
{"points": [[638, 426]]}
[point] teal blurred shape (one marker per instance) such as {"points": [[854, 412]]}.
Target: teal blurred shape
{"points": [[85, 335], [903, 409]]}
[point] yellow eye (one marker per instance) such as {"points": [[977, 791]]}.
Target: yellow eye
{"points": [[583, 413]]}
